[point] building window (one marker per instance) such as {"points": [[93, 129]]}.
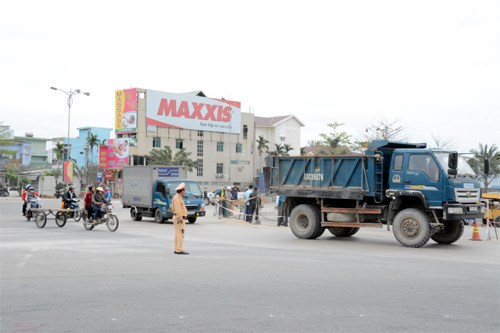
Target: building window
{"points": [[199, 169], [156, 142], [220, 168], [199, 148], [282, 138], [220, 146], [245, 131], [179, 143], [200, 133], [239, 148]]}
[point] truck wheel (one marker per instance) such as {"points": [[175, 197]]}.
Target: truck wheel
{"points": [[452, 232], [159, 216], [354, 231], [192, 219], [411, 228], [134, 214], [342, 231], [305, 222]]}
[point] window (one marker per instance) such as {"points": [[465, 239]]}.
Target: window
{"points": [[220, 168], [220, 146], [282, 138], [179, 143], [398, 163], [160, 187], [200, 133], [156, 142], [239, 148], [199, 169], [199, 148], [426, 164], [245, 131]]}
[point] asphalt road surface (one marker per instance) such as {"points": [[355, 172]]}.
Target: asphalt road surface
{"points": [[238, 278]]}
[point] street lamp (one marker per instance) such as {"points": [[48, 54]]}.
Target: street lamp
{"points": [[70, 94]]}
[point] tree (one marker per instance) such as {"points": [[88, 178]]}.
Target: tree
{"points": [[477, 163], [338, 142], [59, 150], [92, 141], [164, 157], [441, 143], [279, 150], [287, 148], [262, 147], [382, 129]]}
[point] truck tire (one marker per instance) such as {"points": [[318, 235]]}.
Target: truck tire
{"points": [[134, 214], [343, 231], [305, 222], [411, 228], [452, 232], [159, 216], [192, 219]]}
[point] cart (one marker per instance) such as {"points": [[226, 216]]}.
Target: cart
{"points": [[60, 215]]}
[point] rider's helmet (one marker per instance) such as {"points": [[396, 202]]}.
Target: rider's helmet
{"points": [[99, 189], [71, 188], [27, 186], [90, 187], [31, 189]]}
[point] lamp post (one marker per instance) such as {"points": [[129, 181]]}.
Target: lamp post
{"points": [[70, 94]]}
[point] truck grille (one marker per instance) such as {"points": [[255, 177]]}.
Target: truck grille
{"points": [[467, 195]]}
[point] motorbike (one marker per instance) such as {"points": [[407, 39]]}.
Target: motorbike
{"points": [[105, 215], [32, 203], [4, 192], [73, 212]]}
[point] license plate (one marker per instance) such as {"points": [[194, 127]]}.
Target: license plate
{"points": [[191, 213]]}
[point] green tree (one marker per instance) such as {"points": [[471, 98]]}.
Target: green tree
{"points": [[163, 156], [92, 142], [477, 163], [59, 150], [287, 148], [337, 141], [279, 150]]}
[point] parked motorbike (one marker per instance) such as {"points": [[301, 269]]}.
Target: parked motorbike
{"points": [[32, 203], [105, 216], [4, 192]]}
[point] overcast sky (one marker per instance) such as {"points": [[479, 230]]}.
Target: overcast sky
{"points": [[432, 66]]}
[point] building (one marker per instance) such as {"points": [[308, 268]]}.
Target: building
{"points": [[80, 150], [215, 132], [38, 149]]}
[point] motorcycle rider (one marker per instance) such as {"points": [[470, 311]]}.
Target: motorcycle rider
{"points": [[68, 196], [88, 199], [98, 200], [23, 197], [30, 195]]}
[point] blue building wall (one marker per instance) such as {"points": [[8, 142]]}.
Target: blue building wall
{"points": [[78, 144]]}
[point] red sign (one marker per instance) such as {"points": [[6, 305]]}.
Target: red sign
{"points": [[114, 155]]}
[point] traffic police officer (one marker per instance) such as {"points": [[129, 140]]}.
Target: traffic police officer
{"points": [[180, 216]]}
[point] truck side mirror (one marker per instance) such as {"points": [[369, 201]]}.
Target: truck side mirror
{"points": [[486, 166], [452, 172], [453, 160]]}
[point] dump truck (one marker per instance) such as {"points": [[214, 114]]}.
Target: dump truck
{"points": [[148, 192], [422, 193]]}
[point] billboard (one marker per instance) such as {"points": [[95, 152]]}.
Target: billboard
{"points": [[126, 111], [192, 112], [114, 155]]}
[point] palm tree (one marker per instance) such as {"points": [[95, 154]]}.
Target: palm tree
{"points": [[262, 147], [286, 149], [477, 163], [279, 150], [59, 150], [92, 141]]}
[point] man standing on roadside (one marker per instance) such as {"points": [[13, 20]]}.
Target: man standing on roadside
{"points": [[247, 202], [180, 216]]}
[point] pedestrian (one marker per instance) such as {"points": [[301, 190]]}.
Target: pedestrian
{"points": [[180, 216], [252, 203], [107, 193], [247, 201], [280, 201], [234, 192], [229, 202]]}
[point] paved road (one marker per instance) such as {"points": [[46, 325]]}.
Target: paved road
{"points": [[238, 278]]}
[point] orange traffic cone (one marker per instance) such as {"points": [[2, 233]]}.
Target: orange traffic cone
{"points": [[475, 233]]}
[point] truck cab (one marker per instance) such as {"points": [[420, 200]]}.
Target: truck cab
{"points": [[164, 190]]}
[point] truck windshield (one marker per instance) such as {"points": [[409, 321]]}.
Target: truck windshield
{"points": [[463, 168], [192, 188]]}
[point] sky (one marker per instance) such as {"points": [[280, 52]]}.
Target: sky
{"points": [[432, 67]]}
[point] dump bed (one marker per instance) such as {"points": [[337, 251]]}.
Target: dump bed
{"points": [[342, 176]]}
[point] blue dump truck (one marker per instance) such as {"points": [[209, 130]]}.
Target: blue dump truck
{"points": [[148, 192], [423, 193]]}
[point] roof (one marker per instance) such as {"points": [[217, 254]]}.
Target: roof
{"points": [[274, 121]]}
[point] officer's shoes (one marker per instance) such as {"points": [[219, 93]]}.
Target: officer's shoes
{"points": [[182, 252]]}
